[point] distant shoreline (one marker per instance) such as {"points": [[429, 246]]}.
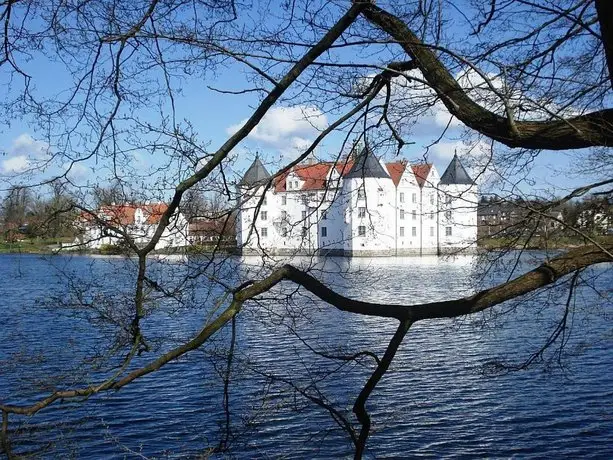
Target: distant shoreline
{"points": [[45, 248], [491, 244]]}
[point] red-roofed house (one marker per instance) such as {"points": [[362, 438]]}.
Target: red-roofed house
{"points": [[111, 223]]}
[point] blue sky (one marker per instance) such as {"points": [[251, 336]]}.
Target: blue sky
{"points": [[288, 128]]}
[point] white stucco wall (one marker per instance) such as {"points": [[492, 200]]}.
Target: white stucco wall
{"points": [[458, 216]]}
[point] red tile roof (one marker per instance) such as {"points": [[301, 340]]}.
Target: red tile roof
{"points": [[124, 214], [314, 176], [117, 214], [344, 167], [204, 226], [421, 172], [154, 212], [279, 182], [396, 170]]}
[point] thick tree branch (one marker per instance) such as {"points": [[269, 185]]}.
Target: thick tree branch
{"points": [[592, 129], [547, 273], [604, 8]]}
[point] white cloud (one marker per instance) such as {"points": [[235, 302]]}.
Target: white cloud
{"points": [[415, 99], [24, 144], [288, 130], [442, 117], [16, 164], [444, 151], [78, 172], [23, 153]]}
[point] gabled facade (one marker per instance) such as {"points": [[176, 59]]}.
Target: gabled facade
{"points": [[138, 221], [358, 206]]}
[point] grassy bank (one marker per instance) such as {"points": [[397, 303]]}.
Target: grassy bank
{"points": [[555, 242], [32, 245]]}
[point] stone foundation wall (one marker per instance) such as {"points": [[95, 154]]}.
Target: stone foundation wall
{"points": [[414, 252]]}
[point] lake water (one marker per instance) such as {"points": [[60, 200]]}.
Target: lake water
{"points": [[438, 400]]}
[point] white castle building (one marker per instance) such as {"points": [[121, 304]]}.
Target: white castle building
{"points": [[357, 207]]}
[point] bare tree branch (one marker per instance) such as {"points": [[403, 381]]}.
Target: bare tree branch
{"points": [[592, 129]]}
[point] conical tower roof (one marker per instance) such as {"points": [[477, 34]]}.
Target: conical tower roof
{"points": [[256, 174], [366, 165], [455, 173]]}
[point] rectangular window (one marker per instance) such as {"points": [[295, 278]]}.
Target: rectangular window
{"points": [[361, 193], [448, 215], [295, 184], [414, 198], [324, 231], [432, 198], [414, 214], [361, 230], [324, 216], [303, 215], [401, 199], [264, 215], [447, 199], [284, 215], [264, 232], [283, 200], [401, 231], [361, 212], [447, 231], [304, 231], [431, 231], [413, 231], [264, 201], [402, 214]]}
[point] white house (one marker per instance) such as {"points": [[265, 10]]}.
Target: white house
{"points": [[357, 207], [138, 221]]}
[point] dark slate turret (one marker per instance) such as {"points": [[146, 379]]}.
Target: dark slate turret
{"points": [[455, 173], [256, 174], [366, 165]]}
